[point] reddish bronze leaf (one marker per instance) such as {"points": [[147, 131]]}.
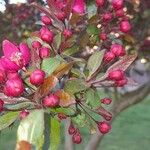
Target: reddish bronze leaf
{"points": [[123, 63], [65, 98], [49, 83], [23, 145], [63, 69]]}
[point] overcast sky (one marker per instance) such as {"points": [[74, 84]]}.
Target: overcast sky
{"points": [[2, 4]]}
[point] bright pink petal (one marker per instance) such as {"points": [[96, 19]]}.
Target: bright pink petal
{"points": [[79, 6], [9, 65], [9, 48], [1, 66], [25, 51]]}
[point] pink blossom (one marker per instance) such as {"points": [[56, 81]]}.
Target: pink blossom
{"points": [[79, 6], [15, 57]]}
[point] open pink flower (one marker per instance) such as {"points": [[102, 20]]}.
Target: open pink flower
{"points": [[79, 6], [15, 57]]}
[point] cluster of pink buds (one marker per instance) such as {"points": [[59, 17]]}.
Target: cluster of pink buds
{"points": [[116, 11], [119, 77], [76, 136]]}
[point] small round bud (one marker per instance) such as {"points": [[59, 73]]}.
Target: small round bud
{"points": [[107, 16], [61, 16], [119, 13], [44, 52], [117, 4], [14, 87], [51, 101], [100, 3], [121, 83], [72, 130], [47, 37], [37, 77], [67, 33], [36, 44], [116, 75], [125, 26], [106, 101], [76, 138], [104, 127], [108, 57], [46, 20], [103, 36], [23, 114], [118, 50]]}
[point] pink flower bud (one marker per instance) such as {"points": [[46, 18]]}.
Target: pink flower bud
{"points": [[36, 44], [76, 138], [14, 87], [106, 101], [103, 36], [1, 105], [46, 20], [108, 57], [44, 52], [100, 3], [118, 50], [46, 35], [72, 130], [117, 4], [23, 114], [116, 75], [104, 127], [37, 77], [104, 113], [121, 83], [61, 16], [119, 13], [79, 7], [67, 33], [51, 101], [125, 26], [107, 16]]}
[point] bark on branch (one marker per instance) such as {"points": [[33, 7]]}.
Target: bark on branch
{"points": [[126, 101]]}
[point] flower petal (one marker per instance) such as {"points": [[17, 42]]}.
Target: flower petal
{"points": [[9, 48], [24, 49], [9, 65]]}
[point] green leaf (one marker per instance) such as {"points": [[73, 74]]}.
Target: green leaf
{"points": [[92, 98], [54, 134], [75, 85], [78, 73], [57, 41], [95, 61], [7, 119], [92, 30], [70, 51], [22, 105], [80, 120], [31, 129], [50, 64], [91, 10]]}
